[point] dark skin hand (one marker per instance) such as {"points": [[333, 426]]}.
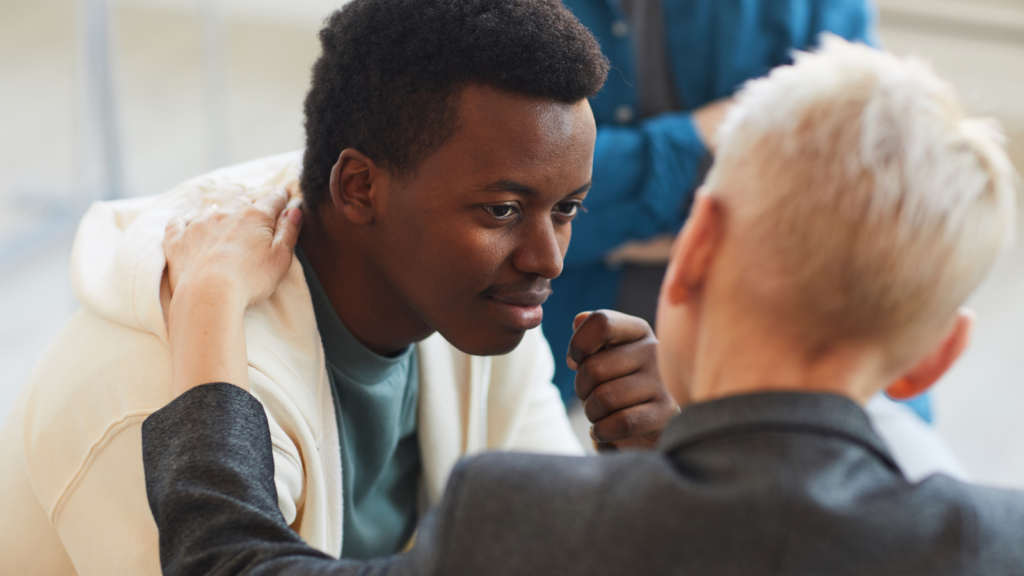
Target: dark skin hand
{"points": [[617, 380]]}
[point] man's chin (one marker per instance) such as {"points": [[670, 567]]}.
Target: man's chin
{"points": [[486, 344]]}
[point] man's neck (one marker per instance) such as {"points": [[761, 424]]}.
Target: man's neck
{"points": [[361, 296]]}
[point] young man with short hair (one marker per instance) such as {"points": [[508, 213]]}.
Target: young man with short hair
{"points": [[852, 210], [449, 148]]}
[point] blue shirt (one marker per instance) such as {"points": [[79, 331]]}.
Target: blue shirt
{"points": [[375, 400], [646, 170]]}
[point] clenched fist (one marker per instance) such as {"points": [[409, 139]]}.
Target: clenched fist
{"points": [[617, 379]]}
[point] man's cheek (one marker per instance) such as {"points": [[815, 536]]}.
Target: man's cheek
{"points": [[480, 255]]}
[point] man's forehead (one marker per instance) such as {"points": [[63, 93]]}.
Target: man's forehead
{"points": [[514, 143], [485, 112]]}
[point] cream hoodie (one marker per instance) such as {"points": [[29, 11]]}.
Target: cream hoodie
{"points": [[72, 491]]}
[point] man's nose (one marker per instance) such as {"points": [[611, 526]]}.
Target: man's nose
{"points": [[539, 251]]}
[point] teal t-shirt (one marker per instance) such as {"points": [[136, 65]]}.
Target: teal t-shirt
{"points": [[375, 399]]}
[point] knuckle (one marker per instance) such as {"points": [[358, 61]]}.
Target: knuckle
{"points": [[612, 428], [600, 320], [648, 329], [649, 350], [591, 369], [604, 398], [627, 423]]}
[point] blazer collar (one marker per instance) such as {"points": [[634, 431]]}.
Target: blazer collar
{"points": [[797, 412]]}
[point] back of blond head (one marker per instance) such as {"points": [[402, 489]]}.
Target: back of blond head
{"points": [[869, 204]]}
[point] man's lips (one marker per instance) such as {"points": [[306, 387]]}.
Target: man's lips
{"points": [[528, 299], [522, 309]]}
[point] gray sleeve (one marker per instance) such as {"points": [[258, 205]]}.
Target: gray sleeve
{"points": [[210, 482], [997, 537]]}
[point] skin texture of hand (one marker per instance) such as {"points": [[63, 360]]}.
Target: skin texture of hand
{"points": [[617, 379], [245, 248], [218, 265]]}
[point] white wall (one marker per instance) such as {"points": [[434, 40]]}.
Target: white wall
{"points": [[292, 12]]}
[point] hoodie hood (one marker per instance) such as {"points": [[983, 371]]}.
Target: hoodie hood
{"points": [[117, 261]]}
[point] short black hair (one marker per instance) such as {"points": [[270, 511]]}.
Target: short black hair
{"points": [[390, 71]]}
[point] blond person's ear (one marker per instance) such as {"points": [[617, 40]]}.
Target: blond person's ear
{"points": [[694, 250], [929, 370]]}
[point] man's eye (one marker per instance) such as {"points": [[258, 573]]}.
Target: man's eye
{"points": [[501, 211], [569, 209]]}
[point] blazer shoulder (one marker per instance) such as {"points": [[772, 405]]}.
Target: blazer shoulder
{"points": [[533, 489], [543, 490], [522, 513], [998, 527], [535, 474]]}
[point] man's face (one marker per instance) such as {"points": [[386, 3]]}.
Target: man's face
{"points": [[473, 238]]}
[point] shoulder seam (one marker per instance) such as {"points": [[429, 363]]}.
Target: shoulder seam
{"points": [[112, 430]]}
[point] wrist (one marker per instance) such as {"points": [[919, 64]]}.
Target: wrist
{"points": [[194, 306], [206, 329], [209, 294]]}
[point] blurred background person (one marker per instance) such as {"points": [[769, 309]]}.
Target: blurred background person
{"points": [[194, 85], [675, 66]]}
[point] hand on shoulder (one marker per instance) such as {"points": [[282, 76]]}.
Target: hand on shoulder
{"points": [[242, 250], [218, 265]]}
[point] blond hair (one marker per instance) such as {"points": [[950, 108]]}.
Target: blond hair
{"points": [[867, 198]]}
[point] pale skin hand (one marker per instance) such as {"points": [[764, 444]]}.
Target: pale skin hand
{"points": [[218, 265]]}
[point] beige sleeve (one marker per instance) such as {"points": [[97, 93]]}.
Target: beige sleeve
{"points": [[524, 379], [103, 516], [28, 543], [545, 427], [288, 473]]}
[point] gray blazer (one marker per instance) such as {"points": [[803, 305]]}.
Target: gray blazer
{"points": [[777, 483]]}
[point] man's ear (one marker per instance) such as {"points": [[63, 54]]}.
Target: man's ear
{"points": [[352, 186], [694, 250], [929, 370]]}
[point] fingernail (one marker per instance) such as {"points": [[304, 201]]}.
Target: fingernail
{"points": [[294, 216]]}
